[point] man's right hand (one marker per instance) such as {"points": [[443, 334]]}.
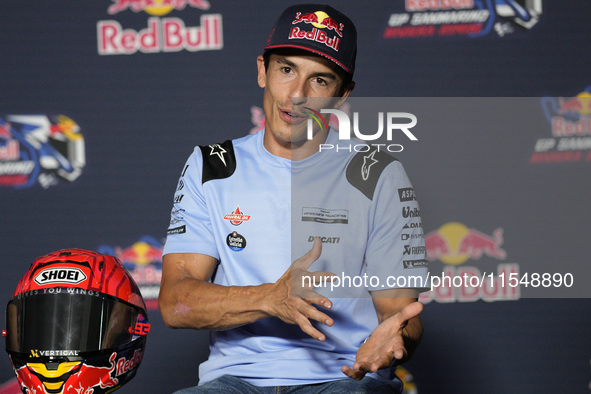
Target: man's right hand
{"points": [[293, 302]]}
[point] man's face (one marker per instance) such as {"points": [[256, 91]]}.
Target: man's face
{"points": [[292, 77]]}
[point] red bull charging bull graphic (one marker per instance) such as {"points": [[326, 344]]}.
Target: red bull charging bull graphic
{"points": [[454, 244], [320, 20], [462, 18], [143, 260], [40, 149], [37, 378], [156, 7], [570, 130], [170, 34]]}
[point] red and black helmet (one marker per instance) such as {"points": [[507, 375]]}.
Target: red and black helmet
{"points": [[76, 323]]}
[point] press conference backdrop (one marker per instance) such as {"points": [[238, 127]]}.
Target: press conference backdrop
{"points": [[102, 101]]}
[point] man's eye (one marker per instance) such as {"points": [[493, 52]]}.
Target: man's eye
{"points": [[286, 70], [321, 81]]}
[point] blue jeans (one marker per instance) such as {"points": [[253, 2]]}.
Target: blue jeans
{"points": [[231, 384]]}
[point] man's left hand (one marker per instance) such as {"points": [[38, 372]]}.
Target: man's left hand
{"points": [[385, 344]]}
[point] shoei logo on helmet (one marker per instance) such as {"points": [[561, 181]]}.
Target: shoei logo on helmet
{"points": [[60, 275]]}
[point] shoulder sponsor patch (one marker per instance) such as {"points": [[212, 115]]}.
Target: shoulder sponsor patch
{"points": [[365, 168], [219, 161]]}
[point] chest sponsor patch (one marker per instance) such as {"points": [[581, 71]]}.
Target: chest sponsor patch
{"points": [[237, 217], [236, 242], [323, 215]]}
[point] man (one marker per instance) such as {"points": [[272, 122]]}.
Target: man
{"points": [[245, 209]]}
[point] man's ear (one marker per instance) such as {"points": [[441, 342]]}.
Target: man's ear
{"points": [[262, 73]]}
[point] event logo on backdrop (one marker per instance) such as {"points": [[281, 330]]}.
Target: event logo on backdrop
{"points": [[569, 130], [143, 260], [39, 149], [454, 244], [161, 34], [468, 18]]}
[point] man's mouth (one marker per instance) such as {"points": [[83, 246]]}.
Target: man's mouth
{"points": [[292, 116]]}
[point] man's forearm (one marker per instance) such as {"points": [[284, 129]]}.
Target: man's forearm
{"points": [[188, 300], [198, 304]]}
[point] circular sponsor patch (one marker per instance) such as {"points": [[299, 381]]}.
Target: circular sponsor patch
{"points": [[235, 241]]}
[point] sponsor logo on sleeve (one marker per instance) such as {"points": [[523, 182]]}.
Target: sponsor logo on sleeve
{"points": [[409, 264], [177, 230], [406, 194]]}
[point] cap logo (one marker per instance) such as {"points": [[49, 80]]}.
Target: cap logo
{"points": [[321, 20]]}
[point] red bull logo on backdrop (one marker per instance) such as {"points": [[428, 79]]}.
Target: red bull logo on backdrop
{"points": [[40, 149], [143, 260], [570, 130], [468, 18], [156, 7], [455, 244], [169, 34]]}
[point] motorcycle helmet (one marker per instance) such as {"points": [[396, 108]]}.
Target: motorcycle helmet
{"points": [[77, 323]]}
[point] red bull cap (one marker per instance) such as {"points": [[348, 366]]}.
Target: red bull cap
{"points": [[319, 29]]}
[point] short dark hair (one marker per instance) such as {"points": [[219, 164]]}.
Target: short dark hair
{"points": [[346, 78]]}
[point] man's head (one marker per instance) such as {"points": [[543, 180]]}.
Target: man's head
{"points": [[318, 29], [310, 53]]}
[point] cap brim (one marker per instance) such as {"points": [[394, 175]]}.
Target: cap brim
{"points": [[308, 49]]}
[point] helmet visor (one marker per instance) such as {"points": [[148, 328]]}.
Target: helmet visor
{"points": [[67, 322]]}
